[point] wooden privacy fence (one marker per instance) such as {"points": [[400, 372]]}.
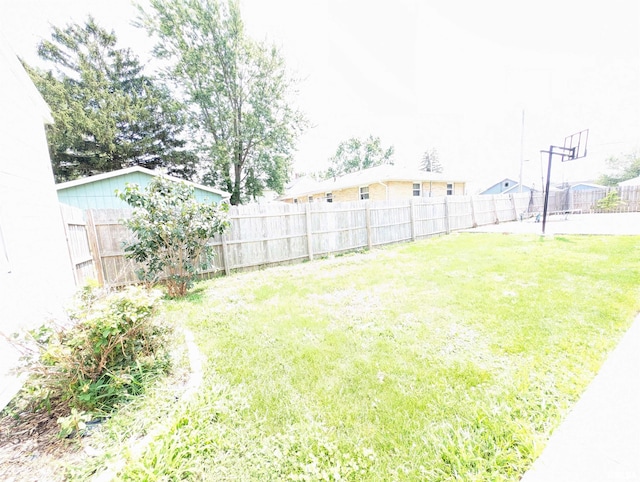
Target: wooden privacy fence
{"points": [[75, 229], [586, 201], [271, 234]]}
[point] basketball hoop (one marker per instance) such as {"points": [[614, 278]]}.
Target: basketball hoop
{"points": [[574, 147]]}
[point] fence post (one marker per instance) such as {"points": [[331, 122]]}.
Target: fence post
{"points": [[307, 215], [474, 223], [225, 254], [412, 216], [447, 228], [65, 223], [495, 209], [92, 236], [367, 212], [513, 204]]}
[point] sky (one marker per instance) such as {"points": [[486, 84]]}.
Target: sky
{"points": [[458, 76]]}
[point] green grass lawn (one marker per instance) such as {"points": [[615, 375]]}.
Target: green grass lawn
{"points": [[452, 358]]}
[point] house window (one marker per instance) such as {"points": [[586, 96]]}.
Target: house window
{"points": [[449, 189], [329, 197], [295, 201], [364, 192], [310, 199], [417, 189]]}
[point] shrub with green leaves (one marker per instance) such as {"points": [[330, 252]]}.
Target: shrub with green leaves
{"points": [[172, 231], [115, 345], [610, 202]]}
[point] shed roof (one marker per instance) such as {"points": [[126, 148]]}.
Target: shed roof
{"points": [[144, 170]]}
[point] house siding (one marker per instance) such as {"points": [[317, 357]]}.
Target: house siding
{"points": [[36, 275], [440, 189], [383, 191], [346, 195], [400, 190], [100, 194]]}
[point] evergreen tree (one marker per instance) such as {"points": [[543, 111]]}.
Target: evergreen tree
{"points": [[430, 161], [107, 113]]}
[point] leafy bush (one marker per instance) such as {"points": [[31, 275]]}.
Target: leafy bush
{"points": [[610, 202], [172, 230], [114, 346]]}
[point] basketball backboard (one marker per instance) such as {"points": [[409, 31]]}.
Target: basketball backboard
{"points": [[575, 145]]}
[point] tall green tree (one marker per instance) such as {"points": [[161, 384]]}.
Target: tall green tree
{"points": [[356, 154], [237, 91], [107, 113], [431, 161], [621, 169]]}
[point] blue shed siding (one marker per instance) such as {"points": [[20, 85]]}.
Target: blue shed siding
{"points": [[100, 194]]}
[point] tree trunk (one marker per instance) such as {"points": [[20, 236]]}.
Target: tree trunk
{"points": [[237, 177]]}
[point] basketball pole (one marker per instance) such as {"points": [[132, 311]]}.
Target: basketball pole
{"points": [[565, 152], [546, 191]]}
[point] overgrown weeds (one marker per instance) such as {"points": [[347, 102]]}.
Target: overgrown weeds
{"points": [[113, 345]]}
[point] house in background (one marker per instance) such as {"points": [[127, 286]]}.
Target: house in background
{"points": [[506, 186], [98, 192], [36, 275], [581, 186], [381, 183], [630, 182]]}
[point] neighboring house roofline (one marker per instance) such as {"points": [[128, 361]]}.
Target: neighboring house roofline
{"points": [[635, 181], [108, 175], [566, 184], [516, 188], [501, 183], [590, 184], [365, 177]]}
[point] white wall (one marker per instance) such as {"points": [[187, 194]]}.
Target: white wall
{"points": [[36, 278]]}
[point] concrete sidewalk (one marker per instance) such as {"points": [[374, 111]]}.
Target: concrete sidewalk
{"points": [[604, 223], [599, 441]]}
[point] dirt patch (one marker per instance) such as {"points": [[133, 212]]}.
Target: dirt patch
{"points": [[31, 451]]}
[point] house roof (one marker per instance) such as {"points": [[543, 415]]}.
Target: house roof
{"points": [[365, 177], [144, 170], [516, 188], [588, 184], [630, 182], [511, 186]]}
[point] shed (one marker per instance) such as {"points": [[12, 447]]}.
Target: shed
{"points": [[98, 192]]}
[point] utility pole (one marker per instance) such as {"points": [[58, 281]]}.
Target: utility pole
{"points": [[521, 152]]}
